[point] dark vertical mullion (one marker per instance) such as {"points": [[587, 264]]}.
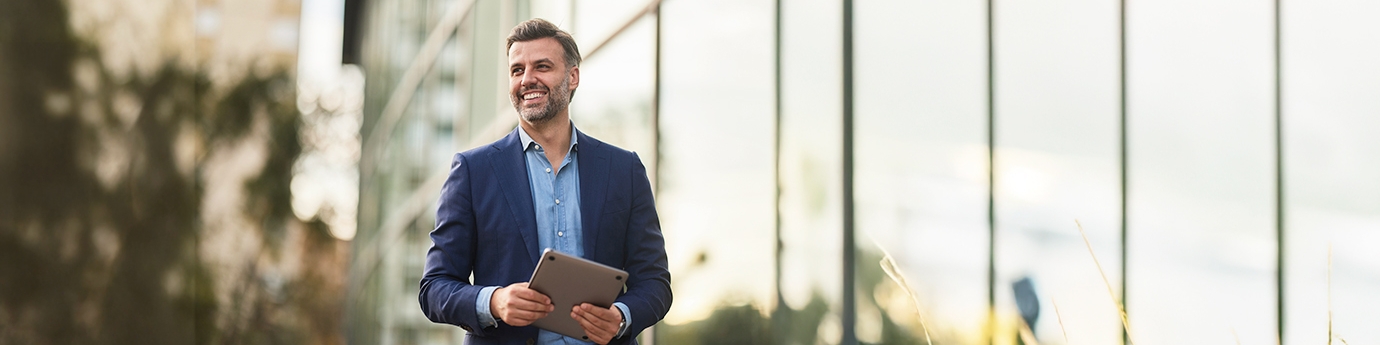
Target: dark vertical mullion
{"points": [[1279, 182], [656, 110], [1125, 334], [849, 303], [991, 177], [778, 322], [656, 97]]}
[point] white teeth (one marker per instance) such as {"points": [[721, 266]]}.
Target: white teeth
{"points": [[532, 95]]}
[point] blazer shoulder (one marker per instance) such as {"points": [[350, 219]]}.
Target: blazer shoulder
{"points": [[475, 153], [595, 144], [482, 153]]}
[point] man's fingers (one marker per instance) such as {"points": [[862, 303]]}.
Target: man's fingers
{"points": [[522, 318], [606, 315], [600, 324], [519, 296], [530, 306], [521, 291], [519, 312], [597, 330], [517, 305]]}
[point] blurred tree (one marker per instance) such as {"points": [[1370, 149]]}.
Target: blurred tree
{"points": [[102, 195]]}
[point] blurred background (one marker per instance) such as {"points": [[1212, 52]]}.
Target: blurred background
{"points": [[826, 171]]}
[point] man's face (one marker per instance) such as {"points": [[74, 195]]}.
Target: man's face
{"points": [[539, 84]]}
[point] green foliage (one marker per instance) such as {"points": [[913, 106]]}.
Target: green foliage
{"points": [[741, 324], [870, 275], [90, 261]]}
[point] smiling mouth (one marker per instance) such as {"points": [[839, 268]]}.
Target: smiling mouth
{"points": [[533, 95]]}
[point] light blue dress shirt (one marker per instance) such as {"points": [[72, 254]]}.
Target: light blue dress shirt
{"points": [[556, 198]]}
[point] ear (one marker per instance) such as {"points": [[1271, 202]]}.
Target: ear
{"points": [[574, 77]]}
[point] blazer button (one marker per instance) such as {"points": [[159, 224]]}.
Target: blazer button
{"points": [[530, 341]]}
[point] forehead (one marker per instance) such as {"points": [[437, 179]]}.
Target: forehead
{"points": [[536, 50]]}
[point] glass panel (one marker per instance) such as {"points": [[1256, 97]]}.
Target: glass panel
{"points": [[1201, 256], [615, 94], [921, 173], [555, 11], [811, 176], [1332, 156], [596, 20], [1058, 160], [717, 181]]}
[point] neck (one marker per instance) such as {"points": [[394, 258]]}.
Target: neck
{"points": [[552, 134]]}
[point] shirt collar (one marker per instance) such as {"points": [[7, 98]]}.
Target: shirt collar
{"points": [[527, 142]]}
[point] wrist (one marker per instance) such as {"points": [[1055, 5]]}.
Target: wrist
{"points": [[622, 322], [484, 307], [494, 305]]}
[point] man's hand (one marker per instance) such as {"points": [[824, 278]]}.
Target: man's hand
{"points": [[600, 324], [519, 306]]}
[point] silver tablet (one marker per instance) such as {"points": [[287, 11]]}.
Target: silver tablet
{"points": [[569, 280]]}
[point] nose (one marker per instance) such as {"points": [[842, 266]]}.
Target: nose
{"points": [[528, 80]]}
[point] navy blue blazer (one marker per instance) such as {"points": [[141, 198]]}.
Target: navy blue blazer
{"points": [[486, 226]]}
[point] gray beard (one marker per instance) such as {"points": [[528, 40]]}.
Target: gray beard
{"points": [[558, 98]]}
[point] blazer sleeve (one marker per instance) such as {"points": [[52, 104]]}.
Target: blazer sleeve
{"points": [[446, 295], [649, 285]]}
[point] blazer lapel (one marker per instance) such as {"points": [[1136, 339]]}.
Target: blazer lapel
{"points": [[510, 168], [594, 181]]}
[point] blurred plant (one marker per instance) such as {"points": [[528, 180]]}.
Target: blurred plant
{"points": [[738, 324], [1111, 293], [892, 332], [104, 180], [889, 267], [1060, 317]]}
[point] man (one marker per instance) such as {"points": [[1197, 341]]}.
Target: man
{"points": [[545, 185]]}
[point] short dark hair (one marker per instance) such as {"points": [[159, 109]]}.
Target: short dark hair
{"points": [[537, 28]]}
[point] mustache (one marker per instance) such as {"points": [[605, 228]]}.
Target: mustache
{"points": [[537, 87]]}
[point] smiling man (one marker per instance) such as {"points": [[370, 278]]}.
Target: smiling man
{"points": [[545, 185]]}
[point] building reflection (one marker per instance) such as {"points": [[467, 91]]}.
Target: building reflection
{"points": [[147, 152], [203, 171], [976, 157]]}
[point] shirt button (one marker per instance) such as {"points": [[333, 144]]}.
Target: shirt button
{"points": [[560, 233], [548, 169], [558, 201]]}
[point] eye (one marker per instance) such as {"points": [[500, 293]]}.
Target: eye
{"points": [[516, 71]]}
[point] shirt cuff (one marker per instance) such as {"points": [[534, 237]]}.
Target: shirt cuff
{"points": [[627, 319], [481, 307]]}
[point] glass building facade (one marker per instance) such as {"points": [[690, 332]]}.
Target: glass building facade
{"points": [[1208, 165]]}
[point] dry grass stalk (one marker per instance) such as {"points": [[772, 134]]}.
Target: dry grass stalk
{"points": [[894, 272], [1235, 336], [1027, 335], [1060, 317], [1330, 335], [1120, 308]]}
